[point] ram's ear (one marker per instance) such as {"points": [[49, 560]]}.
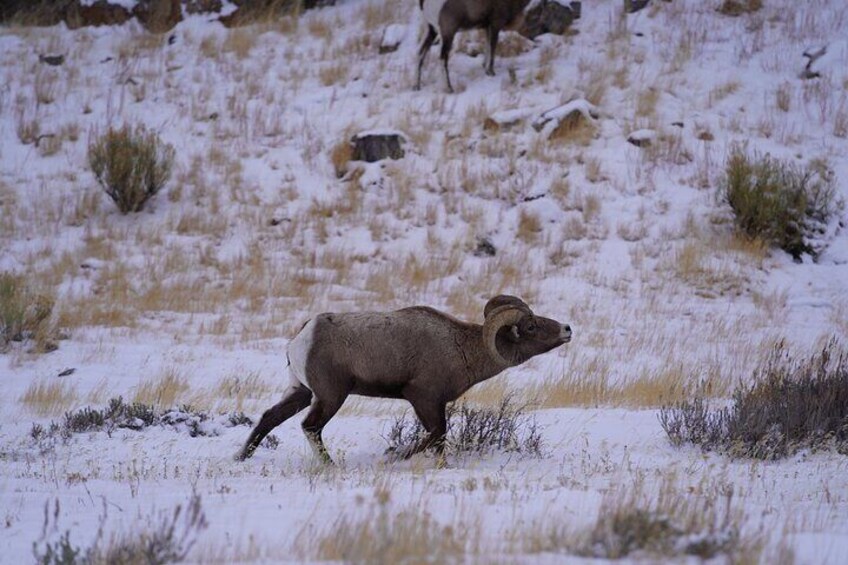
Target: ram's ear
{"points": [[504, 300], [513, 331]]}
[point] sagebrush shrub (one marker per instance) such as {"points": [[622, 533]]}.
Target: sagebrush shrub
{"points": [[135, 416], [161, 538], [24, 313], [792, 404], [627, 531], [473, 430], [131, 165], [779, 202]]}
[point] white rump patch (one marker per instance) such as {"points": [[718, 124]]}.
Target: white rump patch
{"points": [[298, 352], [432, 9]]}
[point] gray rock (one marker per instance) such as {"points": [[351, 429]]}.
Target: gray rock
{"points": [[485, 248], [99, 13], [548, 16], [203, 6], [158, 16], [52, 60], [631, 6]]}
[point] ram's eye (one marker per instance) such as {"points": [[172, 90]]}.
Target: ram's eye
{"points": [[531, 328]]}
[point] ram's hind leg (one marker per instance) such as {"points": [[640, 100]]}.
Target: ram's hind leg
{"points": [[447, 43], [296, 399], [321, 411], [423, 51], [491, 46]]}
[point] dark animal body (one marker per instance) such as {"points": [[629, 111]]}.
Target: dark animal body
{"points": [[446, 17], [419, 354]]}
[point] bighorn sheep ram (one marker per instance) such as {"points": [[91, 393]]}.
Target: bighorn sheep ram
{"points": [[420, 354], [445, 17]]}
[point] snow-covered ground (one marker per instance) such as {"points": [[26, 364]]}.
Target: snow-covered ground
{"points": [[255, 232]]}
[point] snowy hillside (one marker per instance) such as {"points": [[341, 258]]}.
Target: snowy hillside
{"points": [[266, 222]]}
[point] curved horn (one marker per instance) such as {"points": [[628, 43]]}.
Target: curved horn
{"points": [[504, 300], [497, 319]]}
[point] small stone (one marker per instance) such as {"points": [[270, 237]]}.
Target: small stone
{"points": [[485, 248], [642, 138], [92, 264], [393, 36], [53, 60], [705, 135]]}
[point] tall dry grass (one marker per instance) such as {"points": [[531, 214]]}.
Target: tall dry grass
{"points": [[49, 398]]}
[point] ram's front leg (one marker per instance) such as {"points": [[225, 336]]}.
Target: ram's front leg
{"points": [[432, 416]]}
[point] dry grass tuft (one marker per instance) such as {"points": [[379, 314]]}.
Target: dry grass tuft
{"points": [[595, 386], [333, 73], [513, 45], [49, 398], [163, 392], [739, 7], [574, 128], [235, 390], [24, 313], [710, 270], [529, 227], [377, 14], [646, 102], [387, 535], [340, 155], [27, 125], [239, 41]]}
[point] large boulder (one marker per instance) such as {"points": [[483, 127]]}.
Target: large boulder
{"points": [[377, 145], [158, 16], [99, 13], [559, 122], [203, 6], [251, 11], [548, 16], [633, 6], [32, 12]]}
